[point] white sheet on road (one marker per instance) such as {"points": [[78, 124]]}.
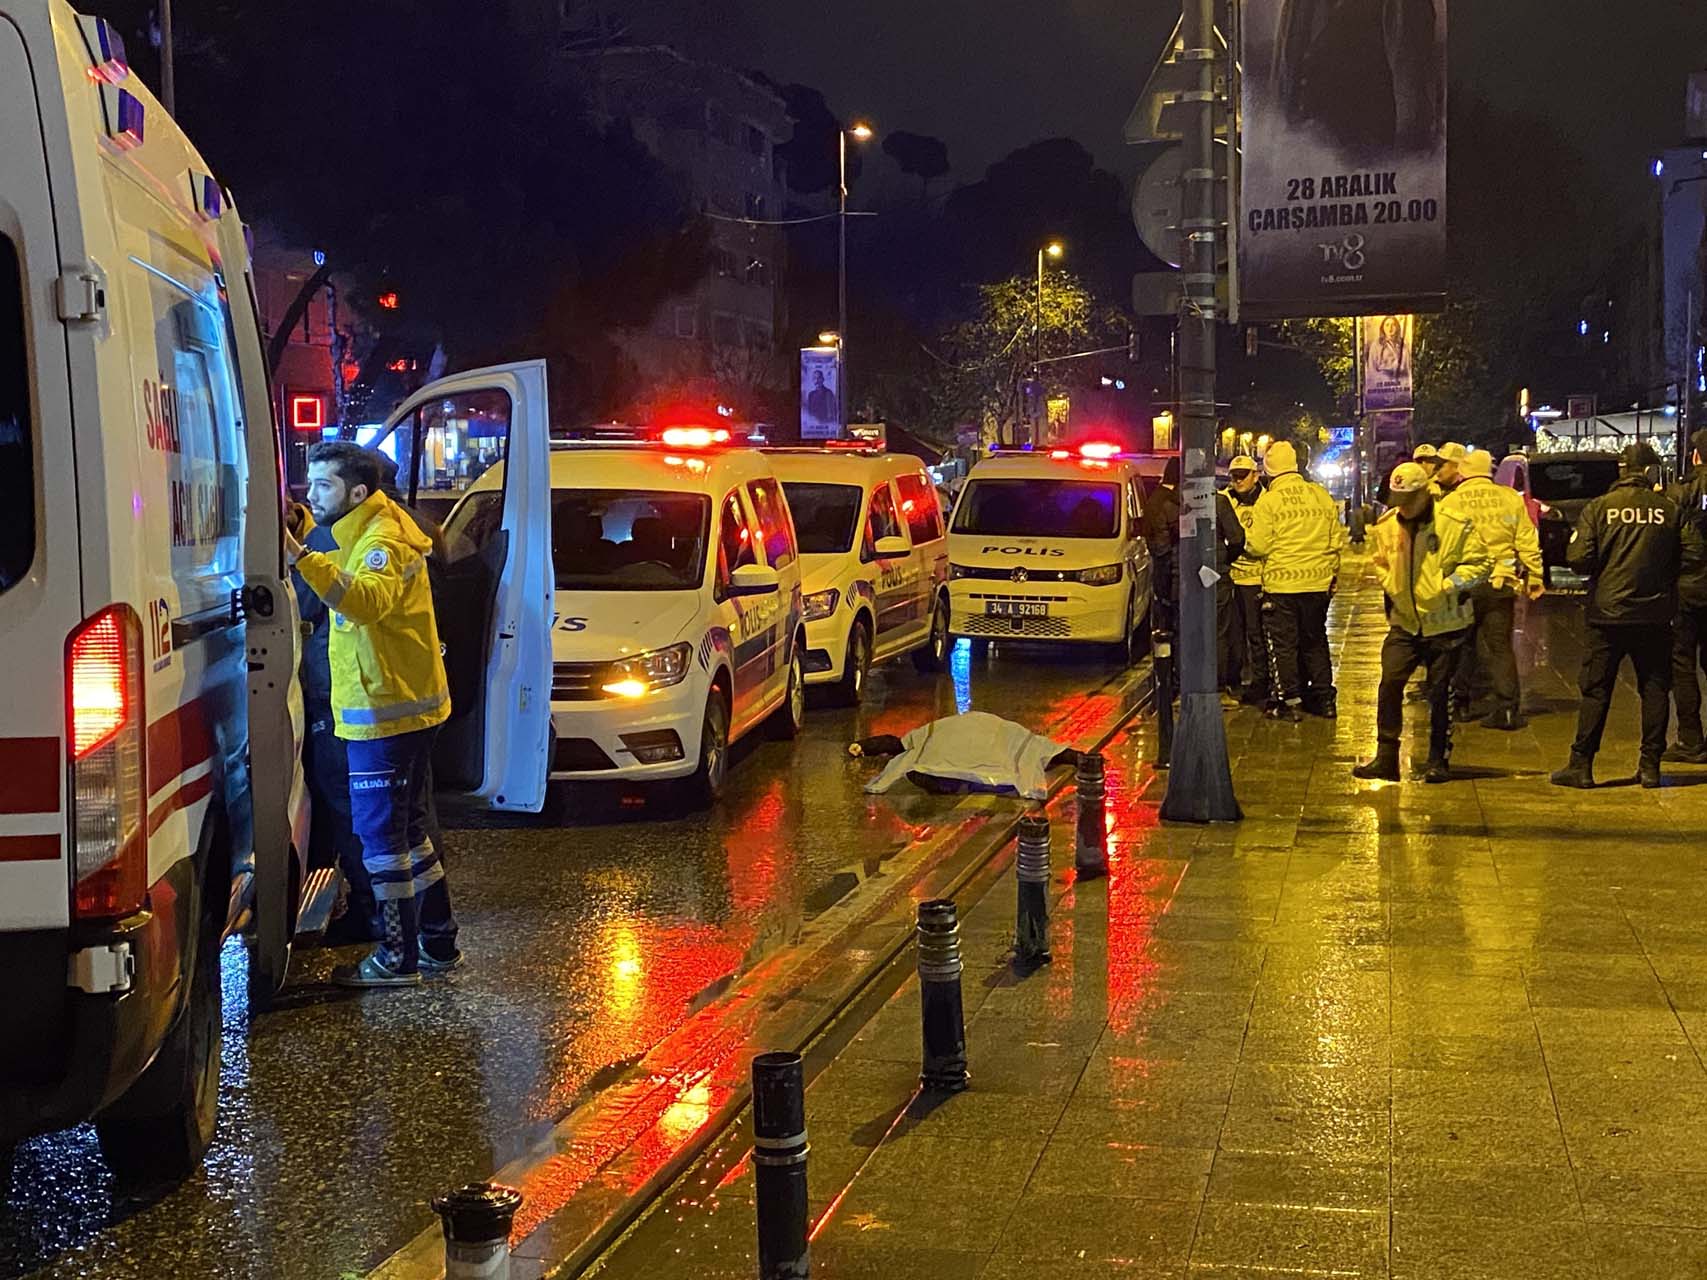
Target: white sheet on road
{"points": [[986, 751]]}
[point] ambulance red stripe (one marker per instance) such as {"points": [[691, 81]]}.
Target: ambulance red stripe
{"points": [[182, 798], [179, 740], [29, 848], [31, 773]]}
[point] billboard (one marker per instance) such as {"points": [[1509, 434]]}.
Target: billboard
{"points": [[1342, 177], [820, 393], [1384, 361]]}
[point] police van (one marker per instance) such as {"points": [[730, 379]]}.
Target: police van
{"points": [[874, 562], [678, 626], [1047, 546], [151, 793]]}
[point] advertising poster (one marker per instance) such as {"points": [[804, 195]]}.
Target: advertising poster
{"points": [[1384, 347], [1342, 200], [820, 394]]}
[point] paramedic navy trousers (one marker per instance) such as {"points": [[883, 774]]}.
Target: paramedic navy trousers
{"points": [[390, 781]]}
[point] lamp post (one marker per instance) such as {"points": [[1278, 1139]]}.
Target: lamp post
{"points": [[1054, 249], [860, 132]]}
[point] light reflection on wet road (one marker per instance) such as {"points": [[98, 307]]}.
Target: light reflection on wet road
{"points": [[589, 939]]}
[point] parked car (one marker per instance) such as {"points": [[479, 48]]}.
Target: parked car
{"points": [[1561, 485]]}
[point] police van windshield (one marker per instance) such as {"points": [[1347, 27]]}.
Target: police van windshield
{"points": [[17, 452], [622, 540], [1039, 509], [824, 515], [1564, 479]]}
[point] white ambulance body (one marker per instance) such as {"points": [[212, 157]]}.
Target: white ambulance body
{"points": [[151, 797]]}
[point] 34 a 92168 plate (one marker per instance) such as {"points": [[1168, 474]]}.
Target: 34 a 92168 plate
{"points": [[1017, 608]]}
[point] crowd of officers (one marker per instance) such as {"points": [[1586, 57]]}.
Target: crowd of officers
{"points": [[1455, 552]]}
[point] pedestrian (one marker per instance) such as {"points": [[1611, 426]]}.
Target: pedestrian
{"points": [[1502, 522], [389, 696], [1296, 534], [1689, 636], [1429, 557], [1627, 543], [1160, 526], [1244, 487]]}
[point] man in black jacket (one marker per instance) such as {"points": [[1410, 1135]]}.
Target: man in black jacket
{"points": [[1627, 543], [1689, 637], [1160, 526]]}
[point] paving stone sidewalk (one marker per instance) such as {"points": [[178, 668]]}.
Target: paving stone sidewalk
{"points": [[1374, 1030]]}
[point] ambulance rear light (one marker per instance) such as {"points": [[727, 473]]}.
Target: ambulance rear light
{"points": [[105, 729], [694, 437], [111, 65]]}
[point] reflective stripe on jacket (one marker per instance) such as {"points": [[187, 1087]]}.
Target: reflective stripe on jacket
{"points": [[388, 676], [1296, 533], [1427, 570], [1503, 524]]}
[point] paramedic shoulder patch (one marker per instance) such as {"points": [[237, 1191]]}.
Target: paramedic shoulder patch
{"points": [[377, 558]]}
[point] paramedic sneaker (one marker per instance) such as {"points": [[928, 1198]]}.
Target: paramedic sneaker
{"points": [[434, 967], [374, 971]]}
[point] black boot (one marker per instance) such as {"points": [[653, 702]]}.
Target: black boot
{"points": [[1687, 753], [1284, 711], [1384, 767], [1437, 769], [1461, 713], [1578, 773], [1506, 719], [1648, 774]]}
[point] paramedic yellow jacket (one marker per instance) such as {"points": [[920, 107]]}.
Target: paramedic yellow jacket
{"points": [[1502, 522], [1296, 533], [388, 676], [1427, 572]]}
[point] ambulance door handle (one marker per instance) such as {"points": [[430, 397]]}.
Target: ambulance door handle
{"points": [[199, 626]]}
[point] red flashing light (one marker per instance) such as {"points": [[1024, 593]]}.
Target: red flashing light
{"points": [[694, 437], [1059, 453], [307, 413], [1102, 450], [388, 300]]}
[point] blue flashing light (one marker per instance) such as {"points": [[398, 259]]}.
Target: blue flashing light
{"points": [[1120, 384], [128, 127], [1582, 327], [320, 257], [112, 66], [1659, 168]]}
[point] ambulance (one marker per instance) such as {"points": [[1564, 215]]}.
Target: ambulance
{"points": [[874, 557], [1046, 545], [151, 794], [678, 624]]}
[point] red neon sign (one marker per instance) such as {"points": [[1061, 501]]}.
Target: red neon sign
{"points": [[306, 413]]}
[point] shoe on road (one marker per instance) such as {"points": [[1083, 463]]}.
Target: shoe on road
{"points": [[1578, 773], [1506, 719], [1284, 711], [1437, 770], [373, 971], [1684, 754], [1648, 774], [437, 967], [1461, 713], [1384, 767]]}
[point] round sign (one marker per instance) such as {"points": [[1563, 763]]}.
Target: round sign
{"points": [[1156, 206]]}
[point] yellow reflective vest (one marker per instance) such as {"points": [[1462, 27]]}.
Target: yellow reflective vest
{"points": [[1246, 570], [388, 674], [1427, 572], [1502, 522], [1296, 532]]}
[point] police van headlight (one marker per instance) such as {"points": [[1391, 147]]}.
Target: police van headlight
{"points": [[820, 604], [959, 571], [645, 672], [1102, 576]]}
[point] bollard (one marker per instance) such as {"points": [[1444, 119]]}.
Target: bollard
{"points": [[1090, 848], [941, 1014], [476, 1220], [1031, 931], [779, 1166], [1163, 650]]}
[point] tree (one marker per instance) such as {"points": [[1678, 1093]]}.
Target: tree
{"points": [[919, 155]]}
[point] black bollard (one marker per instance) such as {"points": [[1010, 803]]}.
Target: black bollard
{"points": [[941, 1013], [1031, 930], [1162, 647], [779, 1166], [476, 1220], [1090, 848]]}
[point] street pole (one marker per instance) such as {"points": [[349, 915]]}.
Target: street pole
{"points": [[1200, 783], [1686, 401], [842, 286], [168, 90], [1037, 319]]}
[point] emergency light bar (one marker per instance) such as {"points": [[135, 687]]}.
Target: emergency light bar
{"points": [[111, 65], [210, 201], [127, 126], [694, 437]]}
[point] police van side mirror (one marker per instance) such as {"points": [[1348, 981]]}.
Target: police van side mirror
{"points": [[753, 580], [892, 546]]}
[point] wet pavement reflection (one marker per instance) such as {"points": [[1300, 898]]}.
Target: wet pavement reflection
{"points": [[591, 935]]}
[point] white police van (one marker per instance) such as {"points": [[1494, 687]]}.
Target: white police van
{"points": [[1047, 546], [678, 606], [874, 556], [151, 794]]}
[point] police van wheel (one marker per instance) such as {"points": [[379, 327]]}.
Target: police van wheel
{"points": [[850, 689], [790, 718], [705, 785], [157, 1133], [934, 656]]}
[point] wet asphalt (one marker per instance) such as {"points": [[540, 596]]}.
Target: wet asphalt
{"points": [[591, 933]]}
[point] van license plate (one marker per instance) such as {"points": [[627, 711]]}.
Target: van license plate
{"points": [[1017, 608]]}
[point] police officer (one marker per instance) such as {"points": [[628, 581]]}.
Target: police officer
{"points": [[1502, 522], [1429, 558], [1627, 543], [1448, 462], [1689, 647], [389, 695], [1296, 534], [1244, 487], [1160, 526]]}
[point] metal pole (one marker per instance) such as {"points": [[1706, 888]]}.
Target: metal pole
{"points": [[779, 1166], [842, 286], [476, 1219], [1031, 869], [1686, 401], [1200, 783], [168, 87], [1037, 319], [942, 1015], [1090, 846]]}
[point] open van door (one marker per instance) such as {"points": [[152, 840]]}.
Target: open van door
{"points": [[493, 581]]}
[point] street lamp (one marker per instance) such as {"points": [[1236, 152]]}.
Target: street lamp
{"points": [[1054, 249], [859, 131]]}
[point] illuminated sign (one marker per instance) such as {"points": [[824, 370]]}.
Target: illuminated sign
{"points": [[306, 413]]}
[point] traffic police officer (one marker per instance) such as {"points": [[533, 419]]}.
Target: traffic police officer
{"points": [[1627, 543], [1250, 651], [1296, 533], [1689, 648], [1447, 464], [1429, 558], [1502, 522], [389, 695]]}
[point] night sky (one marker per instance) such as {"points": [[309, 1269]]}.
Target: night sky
{"points": [[990, 75]]}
